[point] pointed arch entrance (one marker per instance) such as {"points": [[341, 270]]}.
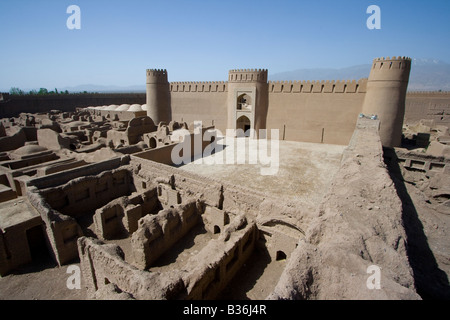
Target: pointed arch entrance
{"points": [[243, 123]]}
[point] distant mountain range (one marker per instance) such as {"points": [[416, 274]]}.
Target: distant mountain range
{"points": [[426, 74]]}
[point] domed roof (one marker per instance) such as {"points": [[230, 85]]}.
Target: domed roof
{"points": [[144, 107], [135, 107], [123, 107], [77, 123], [112, 107], [29, 149]]}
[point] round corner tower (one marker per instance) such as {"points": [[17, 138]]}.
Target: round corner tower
{"points": [[158, 96], [386, 95], [248, 99]]}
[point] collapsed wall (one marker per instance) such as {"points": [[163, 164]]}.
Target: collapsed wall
{"points": [[358, 225], [64, 197], [238, 223], [121, 215], [157, 233], [103, 266], [204, 276]]}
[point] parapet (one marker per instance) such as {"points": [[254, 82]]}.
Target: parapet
{"points": [[192, 86], [436, 92], [344, 86], [247, 75], [157, 76], [395, 69]]}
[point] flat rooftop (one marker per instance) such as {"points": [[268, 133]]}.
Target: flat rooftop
{"points": [[16, 211], [302, 171]]}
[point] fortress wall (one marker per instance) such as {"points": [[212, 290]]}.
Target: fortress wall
{"points": [[374, 235], [34, 104], [304, 107], [315, 111], [344, 86], [206, 101], [428, 105]]}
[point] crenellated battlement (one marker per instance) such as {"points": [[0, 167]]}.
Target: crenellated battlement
{"points": [[248, 70], [199, 86], [419, 92], [324, 86], [391, 63], [392, 59], [391, 69], [385, 97], [247, 75], [157, 76]]}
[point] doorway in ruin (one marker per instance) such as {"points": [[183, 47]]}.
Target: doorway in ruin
{"points": [[280, 255], [37, 243], [244, 124], [153, 143]]}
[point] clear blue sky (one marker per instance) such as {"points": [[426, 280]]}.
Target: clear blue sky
{"points": [[202, 40]]}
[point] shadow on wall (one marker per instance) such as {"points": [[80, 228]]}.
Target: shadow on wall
{"points": [[248, 276], [430, 281]]}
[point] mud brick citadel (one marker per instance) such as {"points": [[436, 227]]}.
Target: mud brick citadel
{"points": [[362, 164]]}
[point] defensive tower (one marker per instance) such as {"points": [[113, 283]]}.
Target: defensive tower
{"points": [[158, 96], [386, 95], [248, 99]]}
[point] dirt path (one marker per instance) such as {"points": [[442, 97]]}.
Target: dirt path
{"points": [[42, 280]]}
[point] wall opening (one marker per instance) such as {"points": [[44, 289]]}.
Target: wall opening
{"points": [[280, 255], [244, 102], [152, 143], [36, 243], [216, 229], [244, 124]]}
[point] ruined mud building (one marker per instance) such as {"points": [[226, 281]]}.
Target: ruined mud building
{"points": [[98, 186]]}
